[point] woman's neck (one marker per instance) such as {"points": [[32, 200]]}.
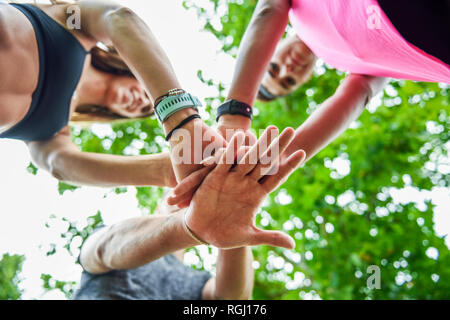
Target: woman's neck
{"points": [[92, 88]]}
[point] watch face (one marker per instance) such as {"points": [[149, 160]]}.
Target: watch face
{"points": [[235, 107]]}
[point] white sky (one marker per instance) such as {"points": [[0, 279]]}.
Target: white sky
{"points": [[27, 201]]}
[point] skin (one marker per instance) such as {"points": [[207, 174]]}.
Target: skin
{"points": [[122, 95], [219, 192], [291, 66], [112, 24], [257, 50], [135, 242], [222, 213]]}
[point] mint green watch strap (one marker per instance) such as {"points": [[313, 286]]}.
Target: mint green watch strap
{"points": [[170, 105]]}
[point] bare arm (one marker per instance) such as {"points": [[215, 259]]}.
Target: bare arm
{"points": [[226, 217], [265, 30], [134, 243], [112, 23], [258, 45], [235, 276], [140, 49], [334, 116], [66, 162], [138, 241]]}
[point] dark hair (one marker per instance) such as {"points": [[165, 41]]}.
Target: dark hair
{"points": [[265, 95], [105, 59]]}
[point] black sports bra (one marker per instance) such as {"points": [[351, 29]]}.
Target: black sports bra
{"points": [[61, 62], [426, 24]]}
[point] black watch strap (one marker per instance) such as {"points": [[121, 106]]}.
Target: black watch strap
{"points": [[236, 108]]}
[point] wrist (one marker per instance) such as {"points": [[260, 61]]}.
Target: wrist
{"points": [[176, 118], [170, 179], [193, 234], [173, 101], [234, 107], [184, 236], [235, 121]]}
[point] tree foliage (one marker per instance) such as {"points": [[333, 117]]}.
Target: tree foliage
{"points": [[339, 206], [344, 222], [10, 268]]}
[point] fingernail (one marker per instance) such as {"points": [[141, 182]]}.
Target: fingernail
{"points": [[208, 161]]}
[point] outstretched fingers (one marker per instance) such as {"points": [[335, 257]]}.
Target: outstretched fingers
{"points": [[182, 194], [271, 182], [250, 160], [228, 158], [250, 138], [269, 161]]}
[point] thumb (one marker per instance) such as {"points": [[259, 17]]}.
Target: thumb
{"points": [[273, 238]]}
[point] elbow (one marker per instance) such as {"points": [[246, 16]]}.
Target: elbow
{"points": [[103, 253], [110, 249], [267, 8], [57, 174], [55, 164], [121, 20], [51, 161], [122, 11], [372, 85], [118, 13], [101, 257]]}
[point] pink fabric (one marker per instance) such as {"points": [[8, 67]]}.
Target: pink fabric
{"points": [[357, 36]]}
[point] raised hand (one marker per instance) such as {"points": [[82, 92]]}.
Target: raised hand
{"points": [[223, 210], [191, 144]]}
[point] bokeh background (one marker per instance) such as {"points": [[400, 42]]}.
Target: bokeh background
{"points": [[378, 195]]}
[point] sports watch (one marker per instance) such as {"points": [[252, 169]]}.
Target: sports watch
{"points": [[172, 104], [235, 107]]}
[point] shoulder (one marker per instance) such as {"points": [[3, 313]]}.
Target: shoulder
{"points": [[69, 17]]}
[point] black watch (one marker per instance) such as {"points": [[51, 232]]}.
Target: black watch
{"points": [[235, 107]]}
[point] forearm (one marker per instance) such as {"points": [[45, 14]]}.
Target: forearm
{"points": [[136, 44], [258, 45], [234, 276], [335, 115], [84, 168], [183, 151], [141, 50], [135, 242]]}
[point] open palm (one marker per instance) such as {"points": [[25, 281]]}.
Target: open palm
{"points": [[223, 209]]}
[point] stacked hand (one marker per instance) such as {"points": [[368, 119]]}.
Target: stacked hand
{"points": [[190, 145], [188, 170], [223, 209]]}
